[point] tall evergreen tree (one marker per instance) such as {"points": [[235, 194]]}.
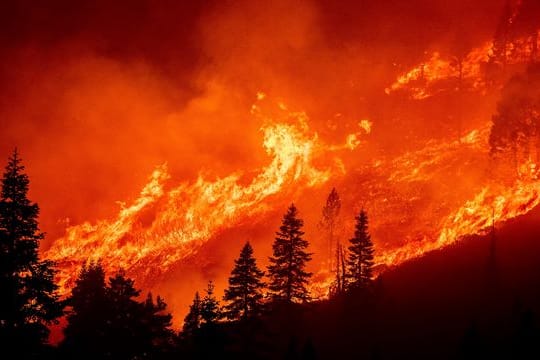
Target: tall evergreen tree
{"points": [[210, 311], [288, 278], [123, 331], [28, 300], [88, 311], [360, 261], [329, 222], [192, 321], [244, 295]]}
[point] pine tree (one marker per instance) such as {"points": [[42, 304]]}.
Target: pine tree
{"points": [[210, 311], [88, 313], [288, 278], [135, 328], [28, 301], [360, 261], [244, 294], [192, 321], [329, 222], [108, 321], [157, 322]]}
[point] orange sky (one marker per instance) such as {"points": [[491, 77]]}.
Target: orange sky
{"points": [[96, 95]]}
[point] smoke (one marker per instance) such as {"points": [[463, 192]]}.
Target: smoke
{"points": [[97, 93]]}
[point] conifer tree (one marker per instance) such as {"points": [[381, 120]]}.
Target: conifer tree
{"points": [[288, 278], [210, 311], [108, 321], [360, 260], [157, 322], [88, 313], [329, 222], [28, 300], [192, 321], [244, 295]]}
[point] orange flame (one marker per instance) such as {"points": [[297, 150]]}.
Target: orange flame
{"points": [[191, 213], [188, 215], [438, 74]]}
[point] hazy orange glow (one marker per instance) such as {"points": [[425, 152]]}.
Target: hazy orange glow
{"points": [[186, 216], [205, 121]]}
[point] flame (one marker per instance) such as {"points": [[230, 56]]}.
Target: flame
{"points": [[490, 206], [446, 220], [352, 141], [365, 125], [189, 214], [168, 223], [439, 73], [422, 80]]}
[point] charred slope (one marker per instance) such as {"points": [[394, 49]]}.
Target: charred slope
{"points": [[476, 298], [472, 300]]}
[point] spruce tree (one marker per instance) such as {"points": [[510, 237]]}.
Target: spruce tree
{"points": [[192, 321], [360, 261], [244, 295], [28, 300], [288, 278], [210, 311]]}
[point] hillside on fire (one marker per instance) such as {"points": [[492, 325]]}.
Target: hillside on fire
{"points": [[267, 180]]}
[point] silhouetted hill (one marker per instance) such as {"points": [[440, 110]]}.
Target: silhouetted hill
{"points": [[471, 300]]}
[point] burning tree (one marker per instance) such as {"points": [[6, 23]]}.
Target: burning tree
{"points": [[245, 287], [288, 278], [516, 36], [360, 261], [329, 223], [515, 132], [29, 301], [340, 283]]}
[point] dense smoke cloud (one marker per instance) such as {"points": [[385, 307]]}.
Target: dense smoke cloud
{"points": [[97, 93]]}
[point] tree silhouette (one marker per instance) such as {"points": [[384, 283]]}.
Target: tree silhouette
{"points": [[340, 281], [360, 261], [108, 321], [329, 223], [192, 321], [210, 311], [157, 323], [124, 331], [244, 295], [28, 301], [288, 277], [88, 312]]}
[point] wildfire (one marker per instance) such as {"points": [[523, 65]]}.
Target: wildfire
{"points": [[439, 73], [188, 215], [424, 80], [395, 191]]}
